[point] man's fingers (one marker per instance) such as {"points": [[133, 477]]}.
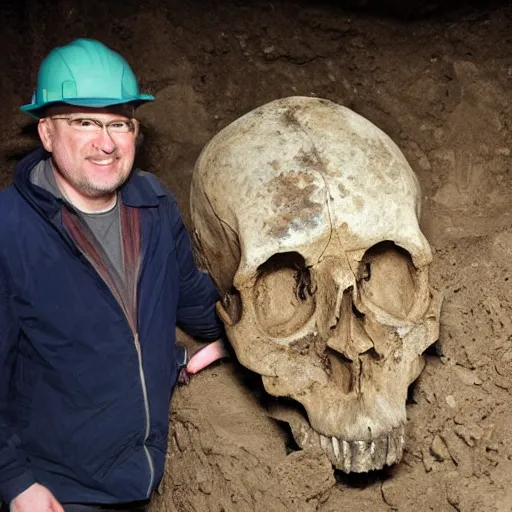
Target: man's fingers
{"points": [[55, 505], [206, 356]]}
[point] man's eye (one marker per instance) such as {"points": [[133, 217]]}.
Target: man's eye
{"points": [[120, 126], [84, 123]]}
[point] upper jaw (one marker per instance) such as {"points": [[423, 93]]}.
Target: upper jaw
{"points": [[350, 456]]}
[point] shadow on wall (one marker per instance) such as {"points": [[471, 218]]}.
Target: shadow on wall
{"points": [[410, 9], [15, 149]]}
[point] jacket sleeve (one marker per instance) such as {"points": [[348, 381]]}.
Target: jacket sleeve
{"points": [[196, 314], [15, 474]]}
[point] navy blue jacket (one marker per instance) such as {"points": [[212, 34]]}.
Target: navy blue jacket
{"points": [[79, 413]]}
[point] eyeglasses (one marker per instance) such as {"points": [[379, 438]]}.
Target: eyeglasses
{"points": [[91, 125]]}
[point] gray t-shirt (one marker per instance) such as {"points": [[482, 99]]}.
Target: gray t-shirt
{"points": [[105, 226]]}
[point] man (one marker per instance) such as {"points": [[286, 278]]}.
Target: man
{"points": [[96, 271]]}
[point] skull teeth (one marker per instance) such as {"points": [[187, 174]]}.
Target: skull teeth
{"points": [[324, 443], [336, 447], [349, 456], [361, 456]]}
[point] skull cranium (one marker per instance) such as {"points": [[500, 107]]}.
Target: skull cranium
{"points": [[306, 216]]}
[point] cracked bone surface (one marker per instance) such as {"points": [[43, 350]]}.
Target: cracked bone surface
{"points": [[306, 216]]}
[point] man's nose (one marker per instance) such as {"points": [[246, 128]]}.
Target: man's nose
{"points": [[105, 142]]}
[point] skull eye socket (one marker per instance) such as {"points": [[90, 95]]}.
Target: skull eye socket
{"points": [[283, 294], [388, 279]]}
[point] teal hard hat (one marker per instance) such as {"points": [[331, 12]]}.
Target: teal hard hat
{"points": [[85, 73]]}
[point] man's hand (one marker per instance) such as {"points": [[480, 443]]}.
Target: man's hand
{"points": [[36, 498], [202, 358], [206, 356]]}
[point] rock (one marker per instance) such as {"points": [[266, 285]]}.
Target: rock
{"points": [[439, 450], [391, 493], [450, 400], [468, 377], [470, 435], [428, 462]]}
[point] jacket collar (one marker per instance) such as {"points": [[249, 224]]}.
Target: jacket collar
{"points": [[137, 191]]}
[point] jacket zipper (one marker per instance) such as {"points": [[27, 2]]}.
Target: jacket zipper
{"points": [[146, 406], [142, 375]]}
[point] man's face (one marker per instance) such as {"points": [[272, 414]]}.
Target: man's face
{"points": [[91, 160]]}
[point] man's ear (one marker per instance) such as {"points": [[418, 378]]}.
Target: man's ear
{"points": [[45, 130]]}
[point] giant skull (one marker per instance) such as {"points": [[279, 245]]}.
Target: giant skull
{"points": [[306, 216]]}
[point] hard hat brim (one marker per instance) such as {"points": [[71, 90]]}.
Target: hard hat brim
{"points": [[35, 110]]}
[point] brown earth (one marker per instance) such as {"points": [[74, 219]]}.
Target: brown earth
{"points": [[440, 86]]}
